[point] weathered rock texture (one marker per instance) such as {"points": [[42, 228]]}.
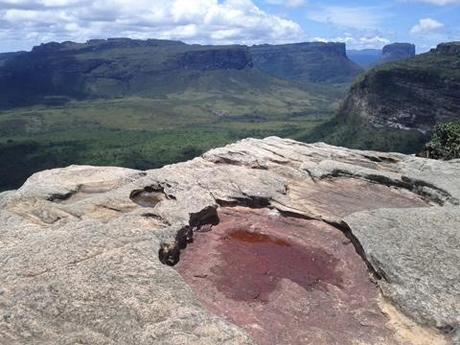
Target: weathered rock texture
{"points": [[292, 244]]}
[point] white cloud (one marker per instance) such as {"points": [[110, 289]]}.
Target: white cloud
{"points": [[426, 26], [357, 42], [287, 3], [198, 21], [350, 17]]}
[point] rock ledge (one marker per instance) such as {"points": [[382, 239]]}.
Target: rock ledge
{"points": [[86, 252]]}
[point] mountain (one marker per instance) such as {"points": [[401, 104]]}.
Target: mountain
{"points": [[397, 52], [396, 105], [57, 72], [310, 62], [146, 103], [8, 56], [53, 73], [367, 58], [260, 242]]}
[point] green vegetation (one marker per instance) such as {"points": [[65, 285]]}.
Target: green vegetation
{"points": [[445, 143], [144, 104], [144, 133], [354, 132], [412, 95]]}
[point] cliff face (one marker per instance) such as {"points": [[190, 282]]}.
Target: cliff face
{"points": [[239, 246], [57, 72], [411, 94], [369, 58], [111, 68], [397, 52], [313, 62], [214, 59]]}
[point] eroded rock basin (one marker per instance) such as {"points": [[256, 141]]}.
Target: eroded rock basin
{"points": [[285, 280]]}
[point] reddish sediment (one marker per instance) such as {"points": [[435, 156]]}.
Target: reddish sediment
{"points": [[285, 280]]}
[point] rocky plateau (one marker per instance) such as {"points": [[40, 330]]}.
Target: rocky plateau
{"points": [[260, 242]]}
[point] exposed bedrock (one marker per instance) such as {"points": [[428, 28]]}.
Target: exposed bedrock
{"points": [[271, 241], [285, 280]]}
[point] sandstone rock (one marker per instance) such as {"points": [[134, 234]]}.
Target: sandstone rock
{"points": [[82, 249]]}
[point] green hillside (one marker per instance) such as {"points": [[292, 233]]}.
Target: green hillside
{"points": [[395, 106]]}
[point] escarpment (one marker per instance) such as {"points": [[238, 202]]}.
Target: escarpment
{"points": [[311, 61], [397, 51], [56, 73], [413, 94], [260, 242]]}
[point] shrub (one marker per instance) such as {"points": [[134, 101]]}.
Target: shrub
{"points": [[445, 143]]}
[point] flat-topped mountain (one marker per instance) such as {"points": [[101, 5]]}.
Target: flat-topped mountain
{"points": [[314, 61], [260, 242], [408, 97], [113, 68], [56, 72], [368, 58], [397, 52]]}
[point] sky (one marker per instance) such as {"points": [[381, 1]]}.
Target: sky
{"points": [[360, 24]]}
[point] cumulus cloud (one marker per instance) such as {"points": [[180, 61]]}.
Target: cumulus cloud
{"points": [[199, 21], [350, 17], [358, 42], [426, 26]]}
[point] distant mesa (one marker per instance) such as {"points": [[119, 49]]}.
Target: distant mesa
{"points": [[309, 61], [368, 58], [120, 67], [397, 51]]}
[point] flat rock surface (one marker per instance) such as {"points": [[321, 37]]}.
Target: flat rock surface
{"points": [[301, 243]]}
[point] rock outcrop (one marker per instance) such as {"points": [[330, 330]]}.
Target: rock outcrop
{"points": [[413, 94], [397, 52], [260, 242], [307, 62]]}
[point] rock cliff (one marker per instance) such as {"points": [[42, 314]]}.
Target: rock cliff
{"points": [[311, 61], [397, 51], [58, 72], [411, 94], [260, 242]]}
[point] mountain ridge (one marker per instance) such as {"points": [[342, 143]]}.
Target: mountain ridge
{"points": [[125, 67], [395, 106]]}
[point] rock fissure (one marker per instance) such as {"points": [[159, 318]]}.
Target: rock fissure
{"points": [[436, 195]]}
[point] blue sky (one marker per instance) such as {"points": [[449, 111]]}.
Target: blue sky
{"points": [[360, 24], [372, 23]]}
